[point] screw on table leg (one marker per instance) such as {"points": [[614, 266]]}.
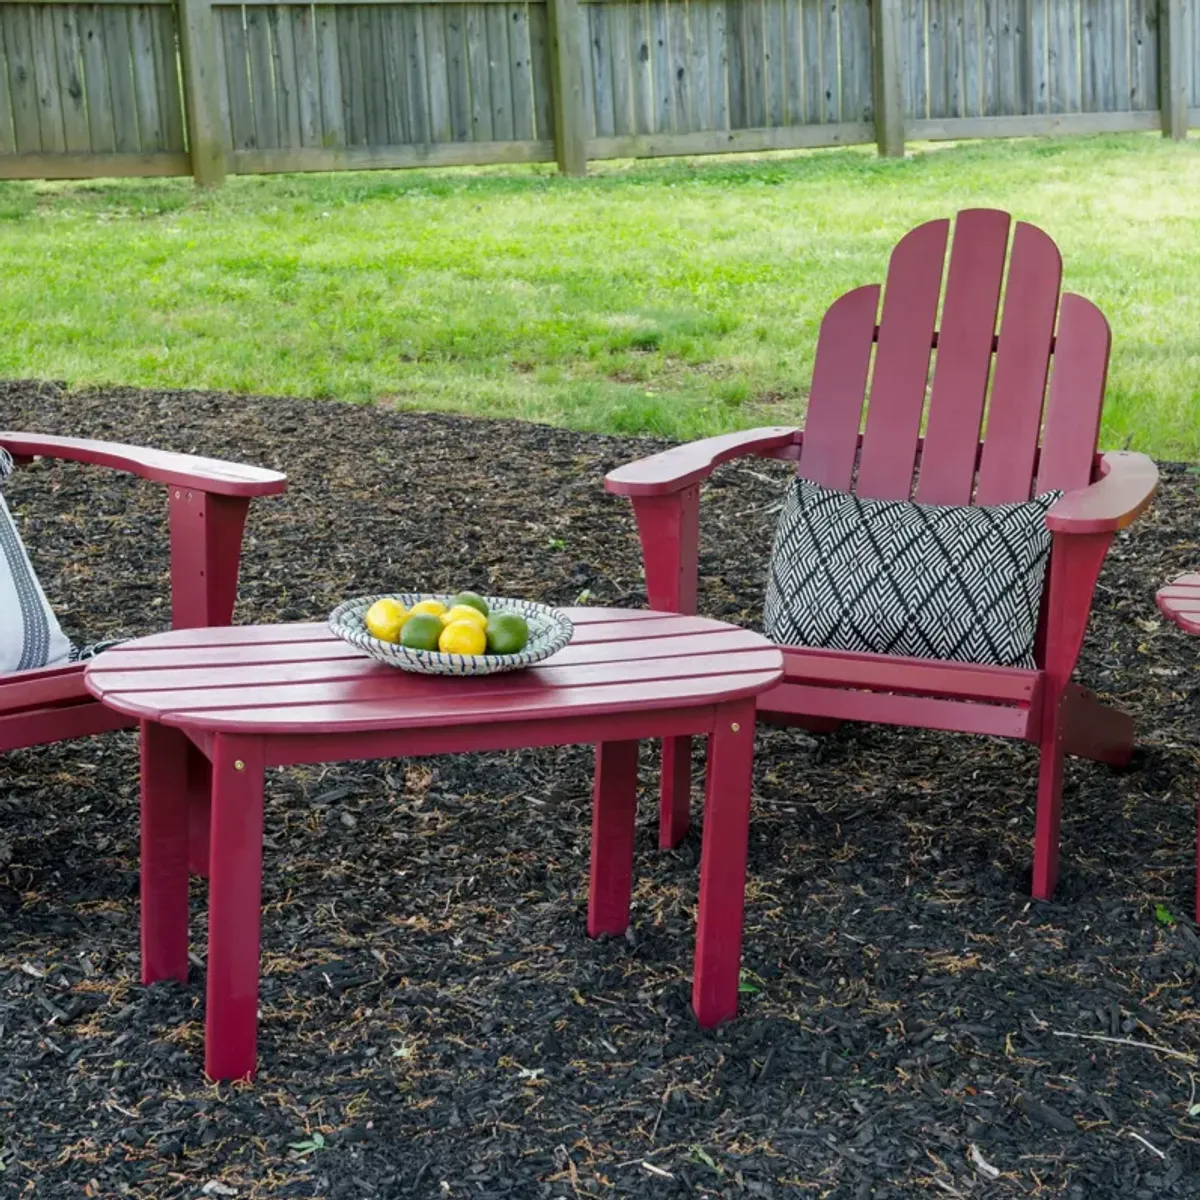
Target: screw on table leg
{"points": [[614, 807], [723, 864], [235, 897]]}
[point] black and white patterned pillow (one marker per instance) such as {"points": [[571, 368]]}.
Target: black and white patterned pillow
{"points": [[961, 584], [30, 635]]}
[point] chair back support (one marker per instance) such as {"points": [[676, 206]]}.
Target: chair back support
{"points": [[989, 332]]}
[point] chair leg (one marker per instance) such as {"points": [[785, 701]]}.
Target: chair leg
{"points": [[675, 795], [199, 803], [723, 865], [1049, 804]]}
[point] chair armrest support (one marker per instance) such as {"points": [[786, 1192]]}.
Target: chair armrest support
{"points": [[681, 466], [1124, 490], [210, 475]]}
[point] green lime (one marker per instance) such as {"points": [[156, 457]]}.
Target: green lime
{"points": [[421, 631], [471, 600], [507, 633]]}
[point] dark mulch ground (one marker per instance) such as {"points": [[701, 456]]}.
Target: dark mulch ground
{"points": [[435, 1021]]}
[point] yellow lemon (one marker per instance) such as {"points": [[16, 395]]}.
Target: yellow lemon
{"points": [[436, 607], [462, 637], [385, 618], [464, 612]]}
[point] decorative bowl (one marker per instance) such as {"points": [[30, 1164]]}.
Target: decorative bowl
{"points": [[549, 632]]}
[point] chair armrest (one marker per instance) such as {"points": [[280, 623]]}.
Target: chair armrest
{"points": [[210, 475], [677, 468], [1124, 490]]}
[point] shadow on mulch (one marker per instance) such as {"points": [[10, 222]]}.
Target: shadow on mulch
{"points": [[435, 1021]]}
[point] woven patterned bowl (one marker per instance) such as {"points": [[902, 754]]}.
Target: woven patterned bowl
{"points": [[549, 632]]}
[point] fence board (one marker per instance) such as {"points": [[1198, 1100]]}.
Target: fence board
{"points": [[641, 68], [329, 76], [95, 81], [735, 64], [70, 77], [307, 82], [241, 105], [45, 72], [166, 72], [774, 64], [754, 50], [539, 62], [457, 82], [500, 81], [440, 127], [858, 101], [619, 20], [664, 112], [1143, 55], [479, 73], [831, 88], [916, 94], [262, 87], [414, 63], [681, 64]]}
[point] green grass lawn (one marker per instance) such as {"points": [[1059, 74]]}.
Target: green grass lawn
{"points": [[676, 298]]}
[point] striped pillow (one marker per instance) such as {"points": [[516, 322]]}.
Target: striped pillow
{"points": [[30, 636]]}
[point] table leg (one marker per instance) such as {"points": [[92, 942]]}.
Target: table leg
{"points": [[723, 864], [614, 808], [199, 794], [235, 896], [675, 792], [164, 847]]}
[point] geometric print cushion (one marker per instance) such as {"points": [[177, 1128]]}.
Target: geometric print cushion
{"points": [[961, 584], [30, 636]]}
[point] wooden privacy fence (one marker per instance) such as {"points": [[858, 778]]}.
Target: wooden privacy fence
{"points": [[209, 87]]}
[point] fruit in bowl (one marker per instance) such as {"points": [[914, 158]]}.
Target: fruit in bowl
{"points": [[465, 625]]}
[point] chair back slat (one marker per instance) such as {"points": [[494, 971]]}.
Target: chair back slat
{"points": [[901, 369], [1072, 427], [839, 384], [1014, 415], [963, 361]]}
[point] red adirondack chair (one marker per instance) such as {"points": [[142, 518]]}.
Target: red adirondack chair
{"points": [[977, 449], [207, 504]]}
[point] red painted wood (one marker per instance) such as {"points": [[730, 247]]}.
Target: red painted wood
{"points": [[1014, 416], [901, 371], [1072, 426], [615, 703], [58, 723], [964, 357], [34, 689], [1093, 730], [206, 545], [1179, 601], [614, 808], [929, 677], [675, 792], [164, 865], [234, 903], [831, 688], [1123, 492], [199, 806], [182, 470], [839, 386], [677, 468], [1075, 562], [919, 712], [582, 704], [723, 865]]}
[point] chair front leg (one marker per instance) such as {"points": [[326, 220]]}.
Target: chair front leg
{"points": [[1075, 564], [669, 529]]}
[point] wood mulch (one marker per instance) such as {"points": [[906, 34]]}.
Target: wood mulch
{"points": [[435, 1021]]}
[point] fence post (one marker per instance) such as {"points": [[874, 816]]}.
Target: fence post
{"points": [[198, 49], [888, 78], [1174, 84], [566, 73]]}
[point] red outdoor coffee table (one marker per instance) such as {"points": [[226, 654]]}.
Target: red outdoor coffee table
{"points": [[1179, 601], [252, 697]]}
